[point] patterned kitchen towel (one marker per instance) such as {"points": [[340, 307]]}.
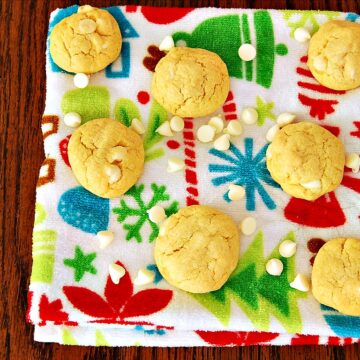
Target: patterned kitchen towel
{"points": [[72, 300]]}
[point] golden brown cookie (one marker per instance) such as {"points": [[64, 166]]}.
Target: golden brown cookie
{"points": [[190, 82], [197, 249], [334, 53], [86, 42], [306, 160], [336, 275], [106, 157]]}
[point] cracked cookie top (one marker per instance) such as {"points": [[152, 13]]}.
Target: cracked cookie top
{"points": [[190, 82], [306, 160], [336, 275], [334, 53], [106, 157], [86, 42], [197, 249]]}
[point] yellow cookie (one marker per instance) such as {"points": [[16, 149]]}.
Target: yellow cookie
{"points": [[86, 42], [334, 53], [306, 160], [197, 249], [106, 157], [336, 275], [190, 82]]}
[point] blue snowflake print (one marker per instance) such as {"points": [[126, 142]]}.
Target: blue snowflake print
{"points": [[245, 170]]}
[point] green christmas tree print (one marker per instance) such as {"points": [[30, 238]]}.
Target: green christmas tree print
{"points": [[126, 110], [124, 211], [257, 293], [225, 34], [307, 18]]}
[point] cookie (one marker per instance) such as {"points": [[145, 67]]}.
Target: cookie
{"points": [[334, 53], [106, 157], [197, 249], [306, 160], [190, 82], [86, 42], [336, 275]]}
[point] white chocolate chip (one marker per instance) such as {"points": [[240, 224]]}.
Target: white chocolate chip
{"points": [[352, 161], [352, 72], [117, 153], [301, 283], [116, 272], [287, 248], [302, 35], [175, 164], [144, 277], [164, 129], [274, 267], [222, 143], [247, 52], [177, 123], [138, 126], [248, 225], [217, 123], [113, 172], [205, 133], [320, 63], [312, 185], [167, 43], [249, 115], [285, 119], [157, 214], [84, 9], [87, 26], [236, 192], [234, 128], [105, 238], [81, 80], [271, 133], [72, 119]]}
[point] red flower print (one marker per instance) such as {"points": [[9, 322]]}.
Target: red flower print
{"points": [[233, 338], [119, 301], [53, 311], [299, 339], [164, 15], [357, 131]]}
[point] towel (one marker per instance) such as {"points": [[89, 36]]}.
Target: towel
{"points": [[71, 298]]}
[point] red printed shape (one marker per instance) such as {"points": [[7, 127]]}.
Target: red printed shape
{"points": [[351, 183], [357, 131], [319, 108], [88, 302], [146, 302], [164, 15], [173, 144], [29, 305], [322, 213], [333, 129], [191, 201], [118, 294], [223, 338], [319, 88], [143, 97], [299, 339], [63, 147], [51, 311]]}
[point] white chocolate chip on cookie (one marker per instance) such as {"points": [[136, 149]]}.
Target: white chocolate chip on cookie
{"points": [[87, 26], [113, 172]]}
